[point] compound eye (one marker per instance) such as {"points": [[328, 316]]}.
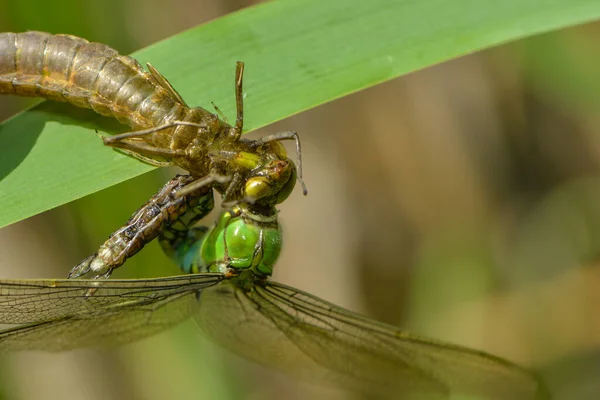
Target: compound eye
{"points": [[257, 187], [288, 187], [279, 149], [272, 183]]}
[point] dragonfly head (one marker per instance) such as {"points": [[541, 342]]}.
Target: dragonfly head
{"points": [[270, 184], [270, 175]]}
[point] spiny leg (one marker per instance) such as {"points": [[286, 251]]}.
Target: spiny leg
{"points": [[144, 150], [147, 160], [109, 140], [162, 211], [233, 184], [288, 135], [203, 182], [137, 155], [127, 143]]}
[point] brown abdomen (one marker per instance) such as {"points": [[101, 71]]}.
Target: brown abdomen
{"points": [[91, 75]]}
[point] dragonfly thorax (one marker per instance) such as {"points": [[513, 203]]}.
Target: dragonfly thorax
{"points": [[244, 238]]}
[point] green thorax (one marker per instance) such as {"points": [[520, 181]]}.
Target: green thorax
{"points": [[245, 238]]}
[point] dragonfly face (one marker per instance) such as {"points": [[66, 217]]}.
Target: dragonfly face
{"points": [[271, 175]]}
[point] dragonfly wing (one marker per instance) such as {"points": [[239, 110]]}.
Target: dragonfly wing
{"points": [[292, 330], [265, 329], [66, 314]]}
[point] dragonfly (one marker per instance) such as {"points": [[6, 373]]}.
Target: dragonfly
{"points": [[227, 289], [166, 132]]}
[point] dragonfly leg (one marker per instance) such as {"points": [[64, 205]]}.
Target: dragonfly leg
{"points": [[206, 181], [129, 143], [233, 184], [145, 151], [147, 160], [164, 211], [109, 140], [138, 156]]}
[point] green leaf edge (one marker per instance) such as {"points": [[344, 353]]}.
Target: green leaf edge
{"points": [[299, 54]]}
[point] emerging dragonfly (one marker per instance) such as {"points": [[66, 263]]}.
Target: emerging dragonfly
{"points": [[227, 288], [166, 132], [236, 305]]}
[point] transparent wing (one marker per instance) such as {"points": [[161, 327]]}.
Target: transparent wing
{"points": [[292, 330], [65, 314]]}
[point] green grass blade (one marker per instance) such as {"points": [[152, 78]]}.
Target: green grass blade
{"points": [[298, 54]]}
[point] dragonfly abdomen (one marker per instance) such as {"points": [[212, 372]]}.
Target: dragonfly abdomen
{"points": [[90, 75]]}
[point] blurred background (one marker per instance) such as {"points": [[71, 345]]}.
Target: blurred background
{"points": [[461, 202]]}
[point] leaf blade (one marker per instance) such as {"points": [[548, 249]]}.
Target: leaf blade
{"points": [[298, 54]]}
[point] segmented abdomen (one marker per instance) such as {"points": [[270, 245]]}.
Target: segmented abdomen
{"points": [[91, 75]]}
